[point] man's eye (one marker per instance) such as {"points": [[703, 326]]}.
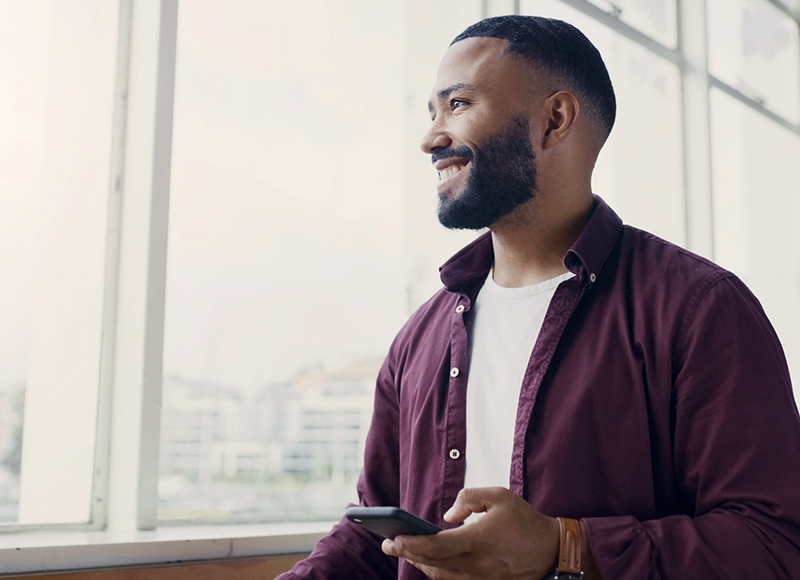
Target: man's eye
{"points": [[456, 103]]}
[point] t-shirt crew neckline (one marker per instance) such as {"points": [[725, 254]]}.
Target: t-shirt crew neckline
{"points": [[523, 291]]}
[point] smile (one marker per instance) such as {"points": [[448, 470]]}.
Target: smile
{"points": [[450, 171]]}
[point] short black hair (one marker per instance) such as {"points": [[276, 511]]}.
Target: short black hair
{"points": [[564, 52]]}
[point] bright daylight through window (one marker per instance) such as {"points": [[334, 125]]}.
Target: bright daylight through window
{"points": [[57, 66], [302, 229]]}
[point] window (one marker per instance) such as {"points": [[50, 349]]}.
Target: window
{"points": [[214, 217], [287, 199], [755, 208], [56, 88], [648, 115], [23, 87], [284, 283], [286, 253], [755, 48]]}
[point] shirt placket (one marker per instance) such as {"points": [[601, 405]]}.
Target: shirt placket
{"points": [[456, 429], [562, 305]]}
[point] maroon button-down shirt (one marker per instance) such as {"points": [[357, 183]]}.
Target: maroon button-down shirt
{"points": [[656, 406]]}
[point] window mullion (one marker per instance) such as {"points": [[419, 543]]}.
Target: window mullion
{"points": [[753, 104], [110, 299], [791, 12], [135, 409], [692, 38]]}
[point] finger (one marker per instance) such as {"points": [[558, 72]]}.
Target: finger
{"points": [[388, 547], [432, 550], [449, 559], [472, 500]]}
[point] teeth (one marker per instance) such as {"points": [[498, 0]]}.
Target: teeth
{"points": [[450, 171]]}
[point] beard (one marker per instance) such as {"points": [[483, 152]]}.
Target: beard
{"points": [[502, 177]]}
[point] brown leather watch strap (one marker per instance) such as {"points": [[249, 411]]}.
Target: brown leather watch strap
{"points": [[569, 554]]}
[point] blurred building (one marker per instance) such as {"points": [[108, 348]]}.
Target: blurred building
{"points": [[196, 417], [326, 426], [313, 427]]}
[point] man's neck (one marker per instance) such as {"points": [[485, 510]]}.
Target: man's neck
{"points": [[529, 250]]}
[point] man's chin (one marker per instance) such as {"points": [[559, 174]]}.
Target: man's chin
{"points": [[460, 218]]}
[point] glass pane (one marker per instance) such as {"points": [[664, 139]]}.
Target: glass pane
{"points": [[303, 232], [23, 82], [755, 48], [756, 169], [285, 271], [640, 169], [430, 27], [57, 73], [654, 18], [499, 7]]}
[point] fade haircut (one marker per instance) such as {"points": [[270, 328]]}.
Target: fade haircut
{"points": [[565, 53]]}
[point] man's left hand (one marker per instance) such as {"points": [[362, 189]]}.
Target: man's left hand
{"points": [[511, 540]]}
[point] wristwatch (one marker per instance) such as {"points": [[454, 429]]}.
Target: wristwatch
{"points": [[569, 552]]}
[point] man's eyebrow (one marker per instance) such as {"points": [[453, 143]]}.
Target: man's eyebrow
{"points": [[444, 93]]}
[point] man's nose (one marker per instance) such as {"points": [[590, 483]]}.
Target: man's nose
{"points": [[434, 139]]}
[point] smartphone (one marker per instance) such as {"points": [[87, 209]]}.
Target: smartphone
{"points": [[389, 522]]}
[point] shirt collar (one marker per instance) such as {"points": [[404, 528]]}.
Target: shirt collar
{"points": [[591, 250], [585, 258]]}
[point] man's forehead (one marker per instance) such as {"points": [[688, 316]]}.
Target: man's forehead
{"points": [[472, 54], [475, 63]]}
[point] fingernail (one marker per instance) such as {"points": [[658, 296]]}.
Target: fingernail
{"points": [[387, 546]]}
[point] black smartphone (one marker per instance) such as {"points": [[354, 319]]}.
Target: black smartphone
{"points": [[389, 522]]}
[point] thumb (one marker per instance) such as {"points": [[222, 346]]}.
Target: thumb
{"points": [[469, 501]]}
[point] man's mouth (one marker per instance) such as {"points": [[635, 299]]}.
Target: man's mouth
{"points": [[450, 171], [449, 162]]}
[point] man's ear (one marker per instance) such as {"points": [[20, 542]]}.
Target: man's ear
{"points": [[563, 109]]}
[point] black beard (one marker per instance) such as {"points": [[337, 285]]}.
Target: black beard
{"points": [[502, 177]]}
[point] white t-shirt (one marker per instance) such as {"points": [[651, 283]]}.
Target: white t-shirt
{"points": [[503, 328]]}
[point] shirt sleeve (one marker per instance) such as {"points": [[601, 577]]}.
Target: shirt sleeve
{"points": [[736, 453], [349, 551]]}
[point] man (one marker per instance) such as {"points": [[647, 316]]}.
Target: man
{"points": [[572, 367]]}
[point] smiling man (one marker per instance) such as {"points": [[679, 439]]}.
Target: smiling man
{"points": [[581, 399]]}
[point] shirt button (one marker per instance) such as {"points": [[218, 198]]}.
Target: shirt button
{"points": [[454, 372], [592, 278], [455, 454], [459, 308]]}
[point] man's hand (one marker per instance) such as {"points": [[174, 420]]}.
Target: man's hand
{"points": [[511, 540]]}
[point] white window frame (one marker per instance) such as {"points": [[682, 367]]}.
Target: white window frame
{"points": [[132, 365]]}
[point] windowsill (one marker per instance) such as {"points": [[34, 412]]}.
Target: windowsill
{"points": [[62, 551]]}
